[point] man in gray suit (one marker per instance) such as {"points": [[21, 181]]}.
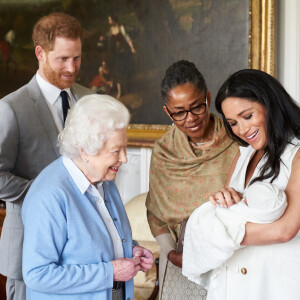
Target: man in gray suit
{"points": [[30, 120]]}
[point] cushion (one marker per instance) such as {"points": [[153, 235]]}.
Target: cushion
{"points": [[137, 215], [144, 283]]}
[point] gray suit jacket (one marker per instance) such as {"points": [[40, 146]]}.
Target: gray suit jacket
{"points": [[28, 143]]}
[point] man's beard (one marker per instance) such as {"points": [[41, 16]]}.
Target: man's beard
{"points": [[56, 79]]}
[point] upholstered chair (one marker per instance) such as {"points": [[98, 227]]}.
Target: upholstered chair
{"points": [[145, 284]]}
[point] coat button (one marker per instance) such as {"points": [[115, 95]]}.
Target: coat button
{"points": [[244, 271]]}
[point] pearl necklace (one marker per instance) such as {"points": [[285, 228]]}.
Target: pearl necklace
{"points": [[199, 144]]}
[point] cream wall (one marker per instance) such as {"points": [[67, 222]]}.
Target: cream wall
{"points": [[133, 178], [288, 44]]}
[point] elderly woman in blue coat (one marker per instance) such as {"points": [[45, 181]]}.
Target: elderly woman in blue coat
{"points": [[77, 242]]}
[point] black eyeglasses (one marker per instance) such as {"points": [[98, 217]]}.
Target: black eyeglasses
{"points": [[182, 115]]}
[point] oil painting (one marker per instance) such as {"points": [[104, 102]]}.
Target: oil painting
{"points": [[129, 44]]}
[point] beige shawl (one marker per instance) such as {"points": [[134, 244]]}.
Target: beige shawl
{"points": [[182, 176]]}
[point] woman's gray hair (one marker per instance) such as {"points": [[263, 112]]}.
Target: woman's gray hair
{"points": [[89, 123]]}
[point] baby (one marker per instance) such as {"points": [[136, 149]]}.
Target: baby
{"points": [[213, 233]]}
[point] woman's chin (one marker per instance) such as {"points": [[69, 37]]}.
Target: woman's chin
{"points": [[109, 177]]}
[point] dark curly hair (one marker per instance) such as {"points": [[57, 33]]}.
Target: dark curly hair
{"points": [[180, 73], [283, 114]]}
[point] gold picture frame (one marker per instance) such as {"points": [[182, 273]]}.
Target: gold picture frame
{"points": [[261, 56]]}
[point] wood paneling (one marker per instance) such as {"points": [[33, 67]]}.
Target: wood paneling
{"points": [[2, 287], [2, 215], [2, 278]]}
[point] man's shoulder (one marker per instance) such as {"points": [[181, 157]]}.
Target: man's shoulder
{"points": [[80, 90], [21, 93], [16, 95]]}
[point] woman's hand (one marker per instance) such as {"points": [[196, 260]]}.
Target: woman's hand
{"points": [[125, 268], [226, 197], [175, 258], [146, 257]]}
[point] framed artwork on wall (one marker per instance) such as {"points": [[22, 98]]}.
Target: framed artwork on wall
{"points": [[130, 43]]}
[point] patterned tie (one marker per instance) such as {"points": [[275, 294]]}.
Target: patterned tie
{"points": [[65, 104]]}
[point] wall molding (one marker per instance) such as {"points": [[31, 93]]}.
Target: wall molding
{"points": [[289, 46]]}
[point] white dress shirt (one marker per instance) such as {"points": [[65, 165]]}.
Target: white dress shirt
{"points": [[96, 195], [53, 99]]}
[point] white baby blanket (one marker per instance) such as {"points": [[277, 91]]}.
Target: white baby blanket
{"points": [[214, 233]]}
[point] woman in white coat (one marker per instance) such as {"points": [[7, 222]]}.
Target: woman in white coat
{"points": [[263, 118]]}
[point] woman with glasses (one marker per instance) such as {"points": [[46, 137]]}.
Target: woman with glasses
{"points": [[188, 163]]}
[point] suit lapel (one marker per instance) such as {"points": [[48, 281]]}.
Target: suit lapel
{"points": [[74, 93], [77, 92], [44, 113]]}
